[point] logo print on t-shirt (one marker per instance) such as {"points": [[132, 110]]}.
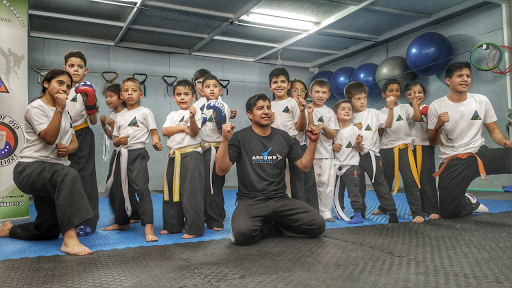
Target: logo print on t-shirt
{"points": [[286, 110], [321, 119], [349, 145], [74, 98], [182, 118], [368, 128], [202, 108], [476, 116], [399, 118], [264, 158], [211, 119], [134, 122]]}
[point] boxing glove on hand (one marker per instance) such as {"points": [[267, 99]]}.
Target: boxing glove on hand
{"points": [[424, 110], [219, 112], [91, 104]]}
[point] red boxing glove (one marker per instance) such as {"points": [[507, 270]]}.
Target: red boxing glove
{"points": [[91, 104], [424, 110]]}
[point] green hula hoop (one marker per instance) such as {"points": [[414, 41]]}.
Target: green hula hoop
{"points": [[480, 45]]}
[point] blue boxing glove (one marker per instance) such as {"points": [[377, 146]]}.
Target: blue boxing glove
{"points": [[219, 112], [91, 104]]}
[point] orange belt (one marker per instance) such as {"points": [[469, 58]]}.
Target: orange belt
{"points": [[83, 125], [481, 169], [412, 163]]}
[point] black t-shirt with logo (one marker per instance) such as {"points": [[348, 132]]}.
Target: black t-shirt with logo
{"points": [[261, 161]]}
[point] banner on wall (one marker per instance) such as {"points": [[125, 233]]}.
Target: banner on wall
{"points": [[13, 100]]}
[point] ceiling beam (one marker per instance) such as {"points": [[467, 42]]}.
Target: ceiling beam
{"points": [[152, 47], [223, 56], [313, 50], [362, 36], [76, 18], [398, 32], [317, 27], [168, 31], [129, 21], [238, 40], [187, 9], [284, 63], [225, 25], [70, 38]]}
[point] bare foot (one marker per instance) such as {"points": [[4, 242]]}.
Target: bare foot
{"points": [[134, 221], [164, 232], [434, 216], [377, 212], [5, 228], [187, 236], [72, 246], [150, 233], [418, 219], [116, 227], [217, 229]]}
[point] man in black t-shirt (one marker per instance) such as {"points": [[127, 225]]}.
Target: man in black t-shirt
{"points": [[260, 152]]}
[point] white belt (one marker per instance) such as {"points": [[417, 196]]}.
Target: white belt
{"points": [[123, 154]]}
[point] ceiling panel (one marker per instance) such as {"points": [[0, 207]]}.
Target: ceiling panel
{"points": [[427, 7], [174, 21], [78, 28], [160, 39], [257, 34], [225, 6], [370, 21], [82, 8], [316, 11], [297, 56], [233, 48], [326, 42]]}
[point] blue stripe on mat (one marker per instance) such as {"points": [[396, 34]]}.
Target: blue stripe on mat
{"points": [[108, 240]]}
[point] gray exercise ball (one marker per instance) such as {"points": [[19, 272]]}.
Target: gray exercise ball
{"points": [[394, 67]]}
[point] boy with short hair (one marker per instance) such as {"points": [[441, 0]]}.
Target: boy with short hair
{"points": [[325, 120], [210, 136], [114, 102], [82, 108], [198, 84], [396, 148], [369, 121], [185, 170], [131, 133], [455, 122], [289, 116], [348, 144]]}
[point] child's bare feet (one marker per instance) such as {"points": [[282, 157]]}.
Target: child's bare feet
{"points": [[377, 212], [116, 227], [5, 228], [72, 246], [150, 233], [217, 229], [187, 236], [418, 219], [434, 216], [164, 232]]}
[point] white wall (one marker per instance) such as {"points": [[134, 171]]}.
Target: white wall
{"points": [[246, 78], [464, 32]]}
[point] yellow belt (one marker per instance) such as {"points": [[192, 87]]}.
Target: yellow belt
{"points": [[83, 125], [176, 177], [396, 150], [419, 159]]}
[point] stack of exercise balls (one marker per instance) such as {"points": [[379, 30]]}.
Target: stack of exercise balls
{"points": [[428, 54]]}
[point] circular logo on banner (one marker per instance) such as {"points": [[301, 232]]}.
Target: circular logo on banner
{"points": [[9, 140]]}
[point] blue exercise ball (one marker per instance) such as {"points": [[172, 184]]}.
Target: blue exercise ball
{"points": [[326, 75], [394, 67], [365, 73], [339, 79], [429, 53]]}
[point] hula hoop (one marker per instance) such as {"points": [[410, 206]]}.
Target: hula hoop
{"points": [[489, 68], [496, 71]]}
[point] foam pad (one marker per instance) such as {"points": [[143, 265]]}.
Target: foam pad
{"points": [[219, 112]]}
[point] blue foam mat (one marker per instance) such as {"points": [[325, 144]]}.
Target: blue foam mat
{"points": [[108, 240]]}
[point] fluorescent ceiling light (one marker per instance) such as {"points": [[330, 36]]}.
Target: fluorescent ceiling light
{"points": [[277, 21]]}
